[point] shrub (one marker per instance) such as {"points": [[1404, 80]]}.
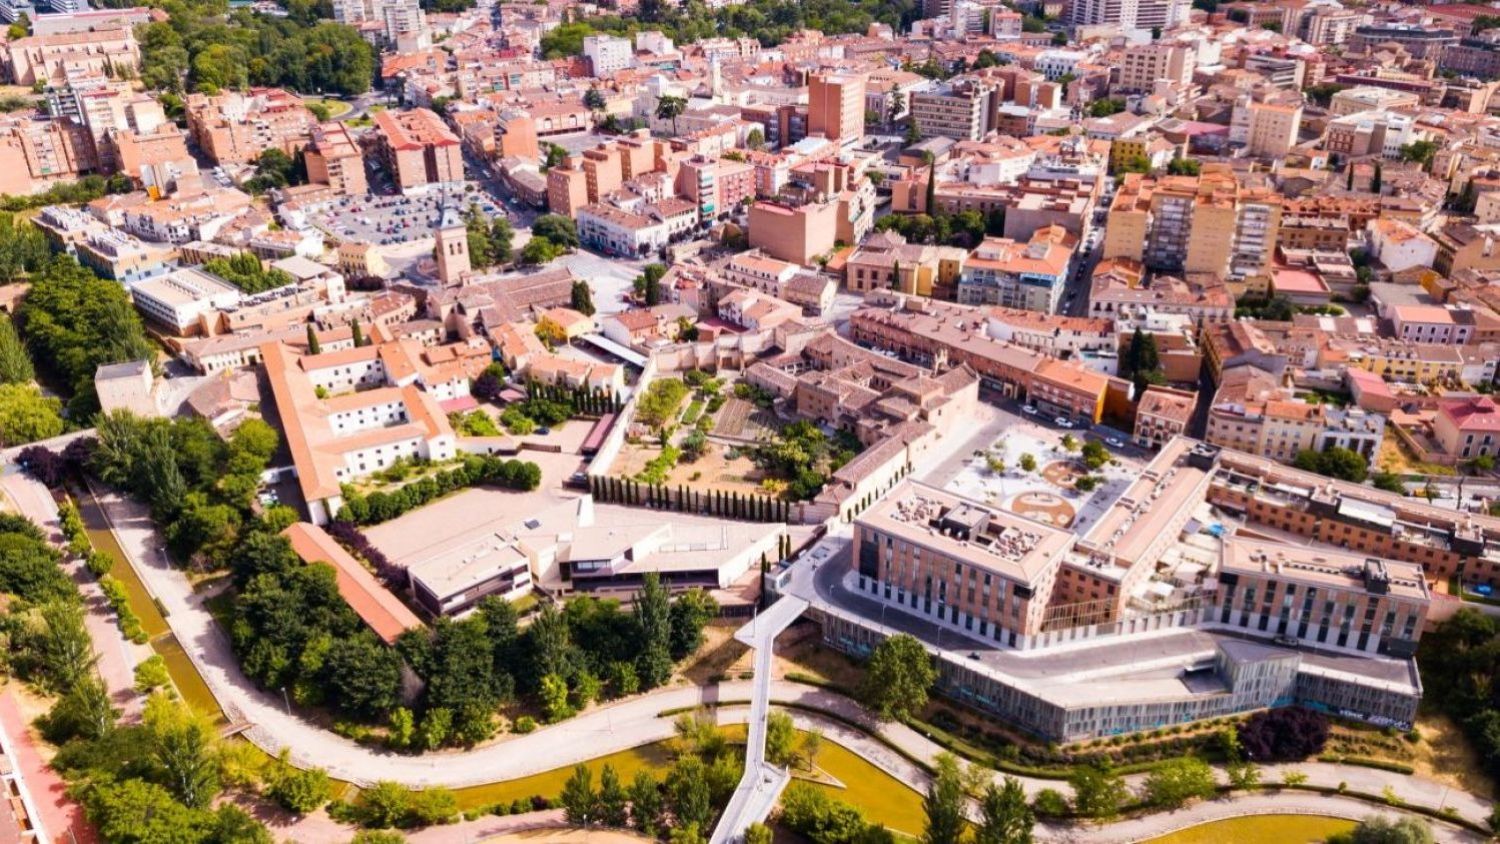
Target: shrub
{"points": [[1287, 734], [1050, 803], [151, 674], [523, 725], [98, 563]]}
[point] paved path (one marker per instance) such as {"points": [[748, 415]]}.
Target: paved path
{"points": [[118, 656], [606, 729]]}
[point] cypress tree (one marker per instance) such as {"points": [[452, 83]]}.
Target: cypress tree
{"points": [[313, 346]]}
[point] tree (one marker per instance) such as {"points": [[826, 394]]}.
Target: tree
{"points": [[1334, 462], [582, 298], [1098, 792], [296, 790], [688, 791], [755, 139], [27, 416], [1004, 816], [945, 802], [670, 108], [931, 187], [538, 250], [134, 811], [183, 750], [1417, 152], [15, 363], [357, 335], [645, 803], [898, 677], [1286, 734], [1179, 166], [83, 712], [593, 99], [758, 833], [690, 613], [1028, 462], [612, 808], [1388, 481], [578, 798], [553, 691], [653, 618], [1176, 781], [63, 649], [313, 346], [781, 739], [559, 230], [1376, 180]]}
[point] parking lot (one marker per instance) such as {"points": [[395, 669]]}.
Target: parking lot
{"points": [[390, 220]]}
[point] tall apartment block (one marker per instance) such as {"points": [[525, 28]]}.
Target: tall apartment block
{"points": [[960, 108], [1193, 224], [836, 106], [419, 149], [334, 159]]}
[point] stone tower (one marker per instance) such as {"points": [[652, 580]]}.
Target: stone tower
{"points": [[452, 248]]}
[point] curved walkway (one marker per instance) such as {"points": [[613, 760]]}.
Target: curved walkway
{"points": [[606, 729]]}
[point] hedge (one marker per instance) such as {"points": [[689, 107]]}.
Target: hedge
{"points": [[378, 507]]}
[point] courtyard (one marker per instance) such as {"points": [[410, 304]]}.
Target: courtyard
{"points": [[1026, 469]]}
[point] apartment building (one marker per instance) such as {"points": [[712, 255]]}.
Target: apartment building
{"points": [[1468, 428], [926, 331], [960, 108], [389, 23], [1421, 42], [1141, 566], [937, 555], [36, 154], [1362, 519], [1141, 67], [836, 106], [607, 54], [235, 127], [334, 159], [885, 261], [1273, 128], [1162, 414], [52, 58], [593, 174], [418, 149], [1028, 276], [796, 233], [1322, 597], [1193, 224], [1329, 26]]}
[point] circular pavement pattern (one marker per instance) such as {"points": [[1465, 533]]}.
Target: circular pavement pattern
{"points": [[1044, 507]]}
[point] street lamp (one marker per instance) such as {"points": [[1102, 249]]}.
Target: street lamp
{"points": [[285, 701]]}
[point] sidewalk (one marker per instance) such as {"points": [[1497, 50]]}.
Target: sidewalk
{"points": [[118, 656], [60, 819]]}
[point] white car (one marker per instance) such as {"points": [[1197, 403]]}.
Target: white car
{"points": [[1029, 410], [1063, 422], [1114, 442]]}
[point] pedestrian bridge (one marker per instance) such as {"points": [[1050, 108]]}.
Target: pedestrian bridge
{"points": [[762, 782]]}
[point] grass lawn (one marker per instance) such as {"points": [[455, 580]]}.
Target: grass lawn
{"points": [[336, 108], [694, 410]]}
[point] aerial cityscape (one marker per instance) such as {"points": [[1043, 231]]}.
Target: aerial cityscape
{"points": [[749, 421]]}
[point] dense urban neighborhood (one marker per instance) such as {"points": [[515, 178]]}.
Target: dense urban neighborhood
{"points": [[721, 421]]}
